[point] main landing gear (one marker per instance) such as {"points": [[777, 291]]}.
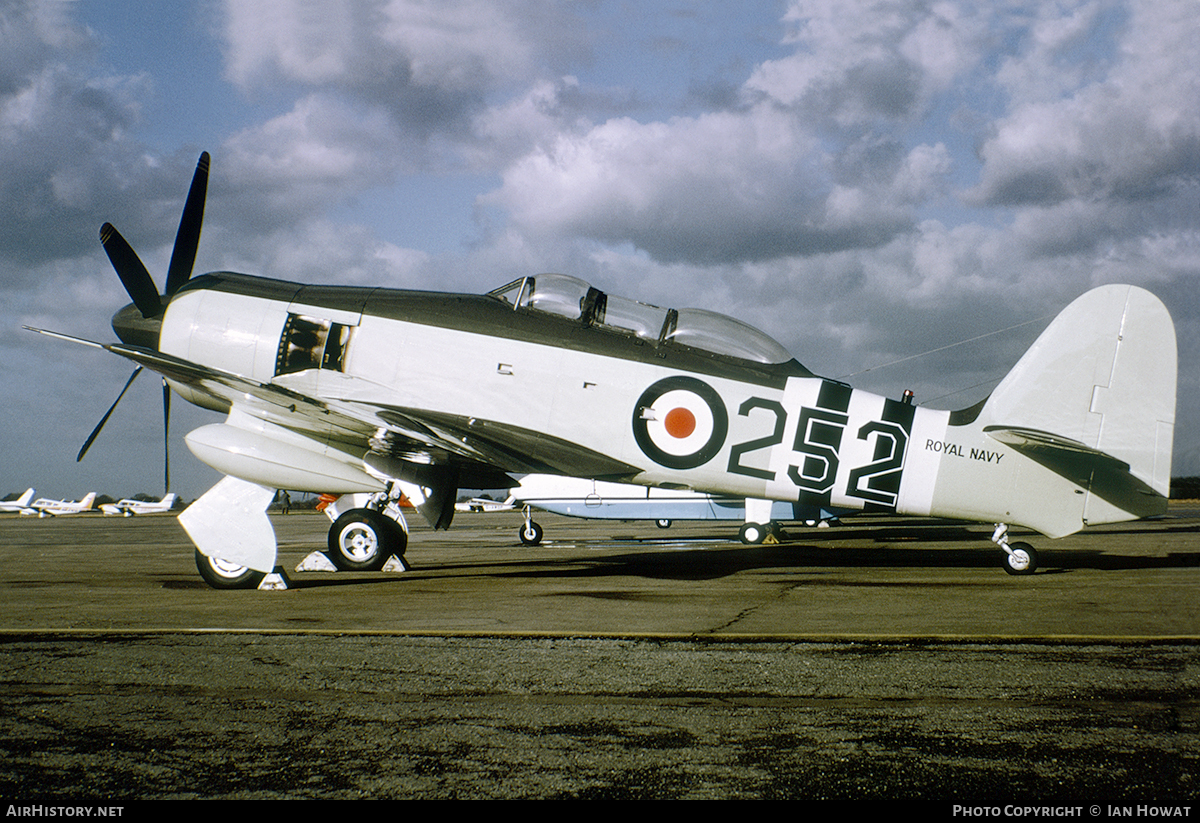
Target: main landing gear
{"points": [[1020, 557], [754, 533], [221, 574], [530, 532], [363, 540], [372, 536]]}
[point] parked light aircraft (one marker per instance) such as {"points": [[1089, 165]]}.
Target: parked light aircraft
{"points": [[20, 505], [602, 500], [128, 507], [44, 507], [483, 504], [374, 393]]}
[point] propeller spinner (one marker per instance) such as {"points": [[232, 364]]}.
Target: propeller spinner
{"points": [[139, 324]]}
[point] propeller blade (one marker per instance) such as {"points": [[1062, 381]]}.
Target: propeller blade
{"points": [[187, 239], [166, 437], [91, 437], [132, 271]]}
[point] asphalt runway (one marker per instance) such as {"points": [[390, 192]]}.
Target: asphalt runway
{"points": [[883, 659]]}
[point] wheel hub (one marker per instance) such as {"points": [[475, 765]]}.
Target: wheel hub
{"points": [[359, 543], [225, 568]]}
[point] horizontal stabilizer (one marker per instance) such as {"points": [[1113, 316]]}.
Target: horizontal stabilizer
{"points": [[1102, 474]]}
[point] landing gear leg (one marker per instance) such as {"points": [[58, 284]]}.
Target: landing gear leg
{"points": [[531, 532], [1019, 558], [759, 527]]}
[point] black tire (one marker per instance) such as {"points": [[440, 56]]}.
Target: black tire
{"points": [[663, 523], [530, 534], [362, 540], [221, 574], [1022, 560], [753, 533]]}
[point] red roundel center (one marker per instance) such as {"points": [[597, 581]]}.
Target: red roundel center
{"points": [[680, 422]]}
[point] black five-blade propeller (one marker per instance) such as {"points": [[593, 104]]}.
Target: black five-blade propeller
{"points": [[144, 293]]}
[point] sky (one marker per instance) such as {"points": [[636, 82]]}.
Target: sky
{"points": [[902, 192]]}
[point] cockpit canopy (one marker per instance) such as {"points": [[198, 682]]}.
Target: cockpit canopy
{"points": [[575, 299]]}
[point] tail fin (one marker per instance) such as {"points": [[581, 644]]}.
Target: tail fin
{"points": [[88, 500], [24, 499], [1096, 392]]}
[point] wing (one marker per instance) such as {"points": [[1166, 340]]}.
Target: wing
{"points": [[482, 451]]}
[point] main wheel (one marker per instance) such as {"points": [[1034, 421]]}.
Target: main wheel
{"points": [[752, 533], [663, 523], [221, 574], [1022, 560], [362, 540], [531, 534]]}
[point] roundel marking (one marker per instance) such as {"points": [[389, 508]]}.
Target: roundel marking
{"points": [[680, 422]]}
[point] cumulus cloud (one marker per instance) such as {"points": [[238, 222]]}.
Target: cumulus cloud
{"points": [[674, 189], [763, 180], [430, 65], [300, 163], [64, 142], [455, 46], [858, 63], [33, 33], [1131, 134]]}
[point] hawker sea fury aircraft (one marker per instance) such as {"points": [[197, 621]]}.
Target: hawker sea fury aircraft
{"points": [[378, 393]]}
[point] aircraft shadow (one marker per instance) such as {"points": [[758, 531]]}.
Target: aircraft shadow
{"points": [[907, 543], [714, 562], [707, 564]]}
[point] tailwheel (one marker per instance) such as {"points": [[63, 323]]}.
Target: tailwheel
{"points": [[362, 540], [221, 574], [1020, 558]]}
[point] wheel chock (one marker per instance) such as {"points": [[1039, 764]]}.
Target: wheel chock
{"points": [[396, 564], [316, 562], [320, 562], [276, 581]]}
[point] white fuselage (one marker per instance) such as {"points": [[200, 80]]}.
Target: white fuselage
{"points": [[810, 438], [780, 436]]}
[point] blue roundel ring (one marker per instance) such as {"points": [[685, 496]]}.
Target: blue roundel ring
{"points": [[680, 422]]}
